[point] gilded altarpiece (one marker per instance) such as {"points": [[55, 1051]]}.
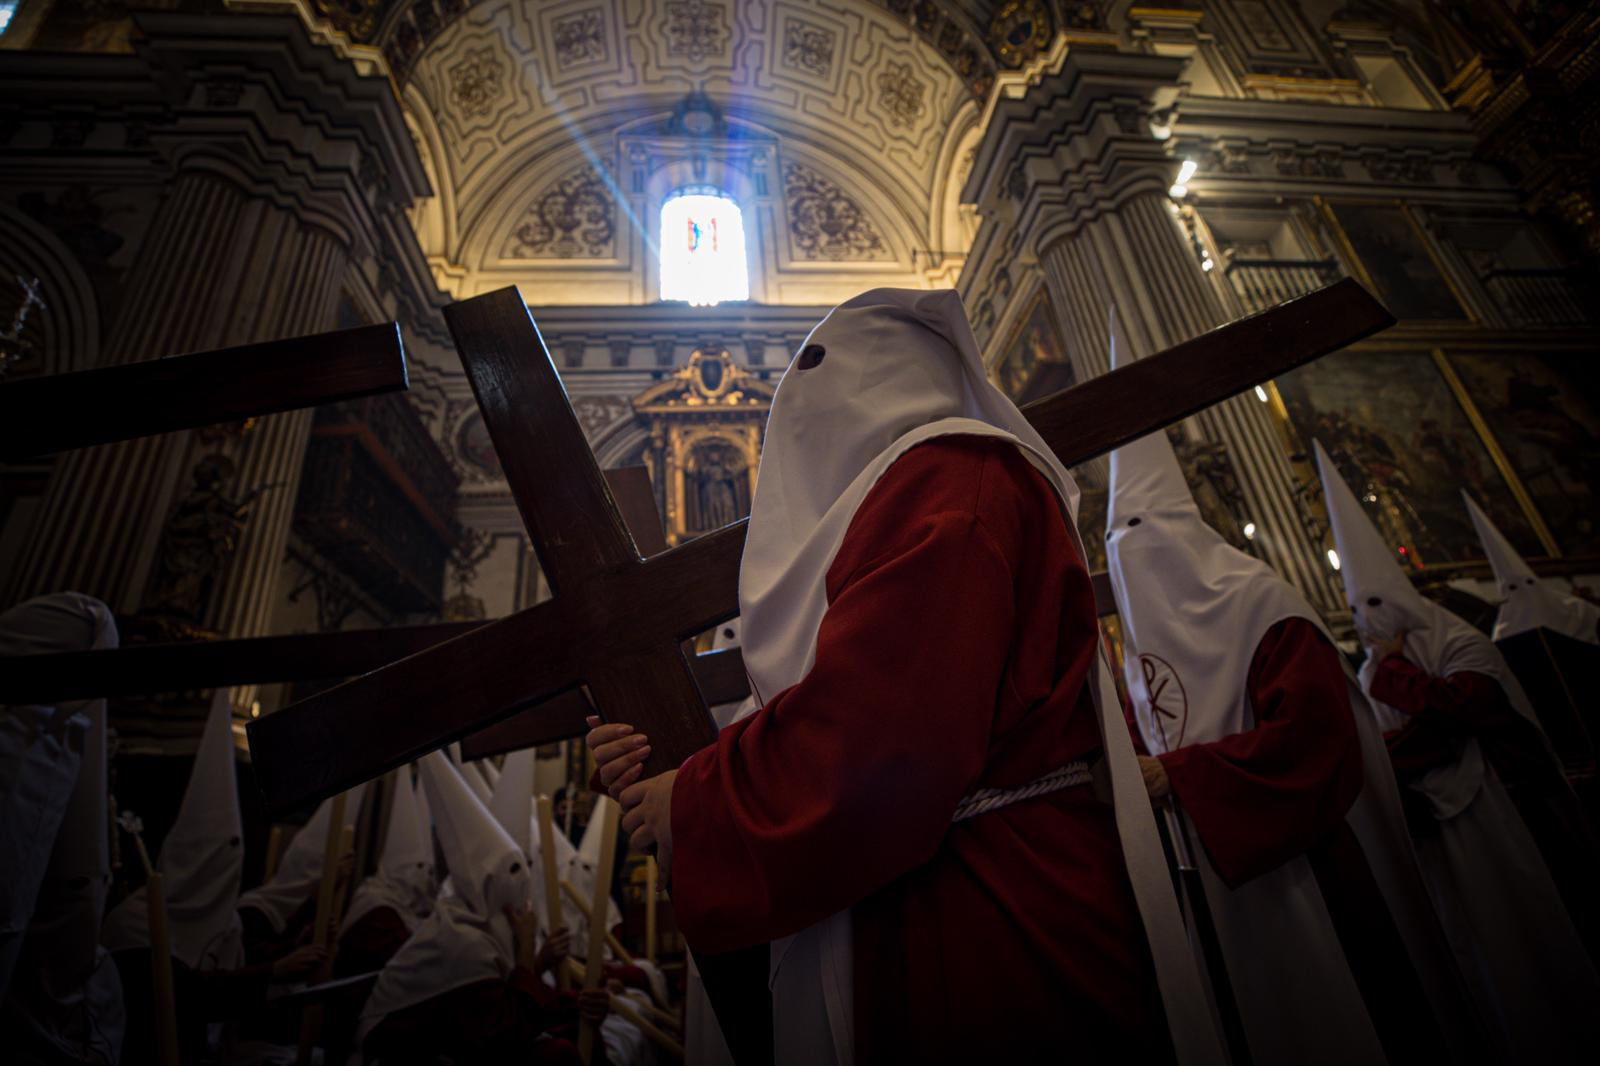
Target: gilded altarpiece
{"points": [[706, 424]]}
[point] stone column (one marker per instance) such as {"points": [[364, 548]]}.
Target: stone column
{"points": [[282, 158], [1074, 172]]}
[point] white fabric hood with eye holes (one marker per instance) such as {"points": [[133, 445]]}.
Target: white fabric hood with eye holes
{"points": [[299, 872], [1383, 602], [467, 938], [882, 373], [200, 862], [1526, 601], [404, 878], [1193, 608]]}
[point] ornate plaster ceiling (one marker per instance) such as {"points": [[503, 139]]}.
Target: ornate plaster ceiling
{"points": [[849, 122]]}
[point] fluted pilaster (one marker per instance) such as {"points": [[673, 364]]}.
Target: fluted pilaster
{"points": [[284, 157], [1073, 176]]}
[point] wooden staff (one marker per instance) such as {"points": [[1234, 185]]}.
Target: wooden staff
{"points": [[651, 876], [611, 938], [629, 1009], [332, 849], [595, 968], [166, 1004], [274, 852], [552, 880]]}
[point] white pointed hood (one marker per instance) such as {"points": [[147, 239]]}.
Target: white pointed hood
{"points": [[512, 803], [299, 872], [476, 781], [404, 878], [1193, 608], [200, 862], [1383, 602], [1526, 601], [899, 367], [584, 864], [467, 938]]}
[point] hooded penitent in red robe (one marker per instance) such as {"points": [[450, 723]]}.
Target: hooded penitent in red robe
{"points": [[959, 637]]}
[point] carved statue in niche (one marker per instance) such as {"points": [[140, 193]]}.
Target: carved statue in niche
{"points": [[199, 541], [721, 484]]}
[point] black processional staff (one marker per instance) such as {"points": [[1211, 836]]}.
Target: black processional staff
{"points": [[1203, 931]]}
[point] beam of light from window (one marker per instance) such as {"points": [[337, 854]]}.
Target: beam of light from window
{"points": [[702, 249]]}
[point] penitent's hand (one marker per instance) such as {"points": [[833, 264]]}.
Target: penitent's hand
{"points": [[1381, 649], [1155, 778], [619, 752], [647, 818]]}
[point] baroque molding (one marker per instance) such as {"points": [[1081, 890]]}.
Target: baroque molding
{"points": [[824, 222], [575, 217]]}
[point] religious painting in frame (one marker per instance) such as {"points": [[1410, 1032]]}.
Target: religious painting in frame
{"points": [[1399, 437], [1393, 258], [1544, 415], [1034, 363]]}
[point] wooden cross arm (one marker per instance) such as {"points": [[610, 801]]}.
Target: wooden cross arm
{"points": [[139, 669], [1111, 410], [52, 414], [615, 621], [339, 738], [719, 675]]}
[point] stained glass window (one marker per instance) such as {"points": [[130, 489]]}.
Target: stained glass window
{"points": [[702, 248], [8, 8]]}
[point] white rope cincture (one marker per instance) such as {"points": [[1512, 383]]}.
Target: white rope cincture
{"points": [[992, 799]]}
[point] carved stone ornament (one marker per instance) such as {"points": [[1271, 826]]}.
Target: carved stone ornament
{"points": [[807, 48], [356, 19], [1020, 30], [575, 218], [900, 93], [477, 81], [579, 38], [824, 222], [696, 29]]}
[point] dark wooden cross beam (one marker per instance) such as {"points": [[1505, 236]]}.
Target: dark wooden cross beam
{"points": [[617, 622], [39, 416]]}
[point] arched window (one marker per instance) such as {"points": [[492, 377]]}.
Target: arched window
{"points": [[702, 247]]}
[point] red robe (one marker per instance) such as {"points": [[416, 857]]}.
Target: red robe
{"points": [[1281, 790], [954, 655], [486, 1023], [1444, 712]]}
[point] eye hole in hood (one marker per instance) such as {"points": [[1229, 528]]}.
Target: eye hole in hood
{"points": [[810, 357]]}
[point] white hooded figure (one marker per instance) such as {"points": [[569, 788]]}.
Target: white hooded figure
{"points": [[467, 938], [902, 368], [584, 864], [1194, 610], [64, 1003], [1513, 939], [200, 862], [299, 872], [403, 881], [1527, 602]]}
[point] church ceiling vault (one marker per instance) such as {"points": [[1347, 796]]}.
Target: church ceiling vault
{"points": [[520, 106]]}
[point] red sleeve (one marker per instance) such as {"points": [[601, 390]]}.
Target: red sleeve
{"points": [[847, 780], [1466, 700], [1261, 797]]}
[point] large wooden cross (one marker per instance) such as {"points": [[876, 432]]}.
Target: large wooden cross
{"points": [[617, 622]]}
